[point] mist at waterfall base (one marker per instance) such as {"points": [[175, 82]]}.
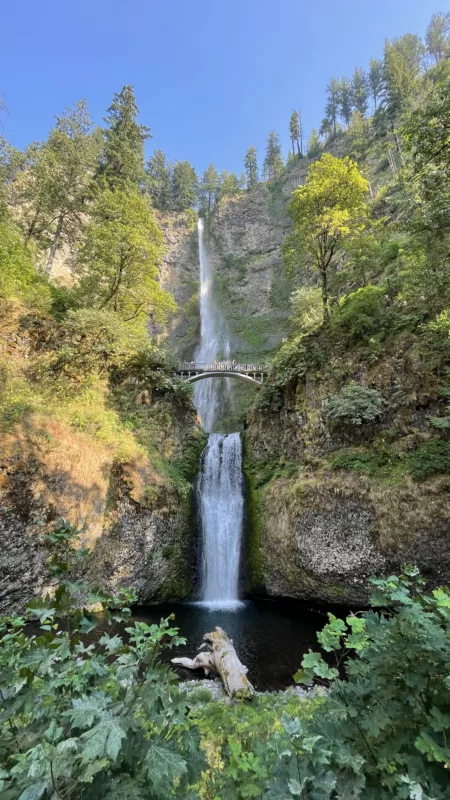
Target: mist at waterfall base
{"points": [[270, 636]]}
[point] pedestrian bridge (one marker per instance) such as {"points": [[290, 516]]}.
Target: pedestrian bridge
{"points": [[192, 371]]}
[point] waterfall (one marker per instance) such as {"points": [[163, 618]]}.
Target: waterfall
{"points": [[221, 506], [220, 485]]}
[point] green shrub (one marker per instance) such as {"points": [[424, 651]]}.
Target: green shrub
{"points": [[431, 459], [363, 463], [82, 721], [18, 275], [289, 362], [354, 405], [360, 312], [384, 731]]}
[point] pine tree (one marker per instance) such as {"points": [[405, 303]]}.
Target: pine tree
{"points": [[345, 100], [375, 79], [229, 184], [209, 188], [332, 106], [325, 129], [122, 162], [313, 146], [251, 167], [359, 91], [402, 65], [159, 181], [437, 37], [294, 131], [184, 186], [273, 161]]}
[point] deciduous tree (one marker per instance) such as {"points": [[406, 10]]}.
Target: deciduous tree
{"points": [[55, 183], [328, 209], [117, 266]]}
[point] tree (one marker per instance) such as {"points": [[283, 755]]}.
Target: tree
{"points": [[184, 186], [313, 146], [345, 100], [375, 79], [325, 129], [402, 65], [294, 132], [159, 181], [328, 209], [55, 184], [332, 106], [273, 161], [229, 184], [209, 187], [122, 162], [117, 267], [437, 37], [251, 167], [359, 91]]}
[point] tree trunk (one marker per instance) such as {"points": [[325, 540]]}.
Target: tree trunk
{"points": [[223, 660], [326, 312], [54, 246]]}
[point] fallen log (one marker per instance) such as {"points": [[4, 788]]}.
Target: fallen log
{"points": [[223, 660]]}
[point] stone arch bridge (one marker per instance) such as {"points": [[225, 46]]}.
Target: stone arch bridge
{"points": [[192, 371]]}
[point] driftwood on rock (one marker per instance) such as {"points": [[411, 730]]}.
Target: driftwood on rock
{"points": [[223, 660]]}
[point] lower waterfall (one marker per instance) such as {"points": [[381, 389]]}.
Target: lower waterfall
{"points": [[221, 509], [220, 495]]}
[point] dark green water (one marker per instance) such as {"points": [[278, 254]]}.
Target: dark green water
{"points": [[270, 636]]}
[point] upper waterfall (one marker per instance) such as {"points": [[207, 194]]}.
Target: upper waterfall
{"points": [[211, 338]]}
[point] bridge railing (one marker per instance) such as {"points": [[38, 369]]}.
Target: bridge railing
{"points": [[221, 366]]}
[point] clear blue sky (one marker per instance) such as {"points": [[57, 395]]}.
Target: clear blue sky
{"points": [[211, 78]]}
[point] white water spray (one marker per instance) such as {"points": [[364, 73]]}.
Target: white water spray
{"points": [[221, 506], [220, 484]]}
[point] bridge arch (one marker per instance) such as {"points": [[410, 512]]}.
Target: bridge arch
{"points": [[200, 376]]}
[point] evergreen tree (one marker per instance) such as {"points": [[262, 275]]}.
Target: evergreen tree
{"points": [[159, 181], [437, 37], [402, 65], [345, 100], [251, 167], [375, 79], [325, 129], [294, 131], [209, 188], [273, 161], [56, 184], [332, 106], [313, 147], [184, 186], [122, 162], [229, 184], [359, 91]]}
